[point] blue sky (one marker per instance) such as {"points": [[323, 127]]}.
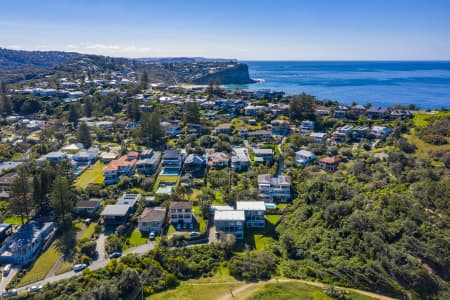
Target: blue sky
{"points": [[258, 30]]}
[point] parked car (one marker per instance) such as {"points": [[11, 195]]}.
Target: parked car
{"points": [[87, 221], [115, 255], [79, 267], [11, 293], [6, 270], [194, 234], [35, 288], [152, 235]]}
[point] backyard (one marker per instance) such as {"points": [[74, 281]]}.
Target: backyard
{"points": [[93, 175]]}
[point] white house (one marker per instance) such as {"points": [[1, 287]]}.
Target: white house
{"points": [[380, 132], [230, 222], [254, 212], [240, 161], [152, 219], [180, 212], [304, 157], [274, 188]]}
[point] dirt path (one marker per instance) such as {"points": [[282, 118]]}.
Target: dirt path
{"points": [[240, 290]]}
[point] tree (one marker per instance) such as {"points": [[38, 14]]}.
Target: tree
{"points": [[84, 136], [113, 244], [133, 111], [74, 115], [21, 199], [62, 197], [151, 132], [192, 113], [2, 86], [5, 105], [205, 201], [301, 107], [128, 282], [143, 80], [88, 107]]}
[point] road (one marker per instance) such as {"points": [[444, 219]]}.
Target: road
{"points": [[98, 264]]}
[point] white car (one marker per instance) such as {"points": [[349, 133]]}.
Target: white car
{"points": [[6, 270], [11, 293], [79, 267], [35, 288]]}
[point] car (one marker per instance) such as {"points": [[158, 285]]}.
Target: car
{"points": [[152, 235], [11, 293], [115, 255], [87, 221], [35, 288], [6, 270], [194, 234], [79, 267]]}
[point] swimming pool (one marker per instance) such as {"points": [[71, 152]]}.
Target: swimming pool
{"points": [[170, 171]]}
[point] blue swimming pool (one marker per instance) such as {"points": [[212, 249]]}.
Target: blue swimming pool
{"points": [[170, 172]]}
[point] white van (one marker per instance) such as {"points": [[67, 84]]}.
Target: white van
{"points": [[6, 270]]}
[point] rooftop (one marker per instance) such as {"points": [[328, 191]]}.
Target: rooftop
{"points": [[181, 205], [229, 215], [120, 210], [250, 205], [151, 214]]}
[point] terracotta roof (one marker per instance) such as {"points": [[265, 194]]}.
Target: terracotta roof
{"points": [[122, 162], [87, 204], [330, 160]]}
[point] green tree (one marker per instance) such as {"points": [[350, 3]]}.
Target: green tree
{"points": [[191, 113], [151, 132], [21, 198], [84, 135], [302, 107], [74, 114], [133, 111], [62, 197], [88, 107], [5, 105], [143, 81]]}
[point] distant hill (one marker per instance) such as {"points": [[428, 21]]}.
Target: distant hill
{"points": [[185, 59], [20, 59]]}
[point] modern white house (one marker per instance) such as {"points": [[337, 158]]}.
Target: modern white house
{"points": [[274, 188], [152, 219], [254, 212], [24, 246], [306, 126], [240, 161], [380, 132], [230, 222], [304, 157], [318, 137]]}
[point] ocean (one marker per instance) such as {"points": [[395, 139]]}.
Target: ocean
{"points": [[385, 83]]}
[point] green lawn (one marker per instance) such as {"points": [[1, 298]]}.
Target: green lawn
{"points": [[201, 221], [196, 292], [136, 239], [260, 238], [15, 220], [294, 291], [41, 266], [93, 175], [171, 230], [423, 119], [88, 232], [273, 219]]}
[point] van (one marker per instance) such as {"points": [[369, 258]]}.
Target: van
{"points": [[6, 270]]}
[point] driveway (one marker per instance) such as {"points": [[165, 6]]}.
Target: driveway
{"points": [[101, 246], [6, 280]]}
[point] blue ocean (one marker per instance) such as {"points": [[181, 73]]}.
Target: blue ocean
{"points": [[426, 84]]}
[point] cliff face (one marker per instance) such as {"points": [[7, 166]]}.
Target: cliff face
{"points": [[236, 75]]}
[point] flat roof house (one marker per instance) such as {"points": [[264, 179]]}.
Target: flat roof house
{"points": [[225, 128], [195, 164], [254, 212], [376, 112], [116, 214], [304, 157], [380, 132], [281, 127], [56, 156], [172, 162], [152, 219], [23, 246], [329, 163], [230, 222], [274, 188], [180, 212], [264, 156], [129, 199], [148, 165]]}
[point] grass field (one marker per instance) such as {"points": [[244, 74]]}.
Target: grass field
{"points": [[92, 175], [88, 232], [42, 265], [423, 119], [136, 239], [196, 292], [15, 220], [201, 221], [294, 291]]}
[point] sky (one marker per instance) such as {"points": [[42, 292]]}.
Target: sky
{"points": [[245, 29]]}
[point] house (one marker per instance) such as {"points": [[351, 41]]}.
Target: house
{"points": [[173, 130], [218, 160], [87, 207], [280, 127], [306, 126], [124, 166], [116, 214], [402, 114], [106, 157], [195, 164], [148, 165], [358, 109], [85, 157], [180, 212], [304, 157], [24, 246], [230, 222], [340, 112], [225, 128], [240, 160], [329, 163], [242, 131], [376, 112], [342, 133], [260, 134], [6, 180], [318, 137], [360, 132], [274, 188], [152, 219], [254, 212], [253, 111], [172, 162], [104, 124], [264, 156], [321, 110], [380, 132], [56, 156], [129, 199]]}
